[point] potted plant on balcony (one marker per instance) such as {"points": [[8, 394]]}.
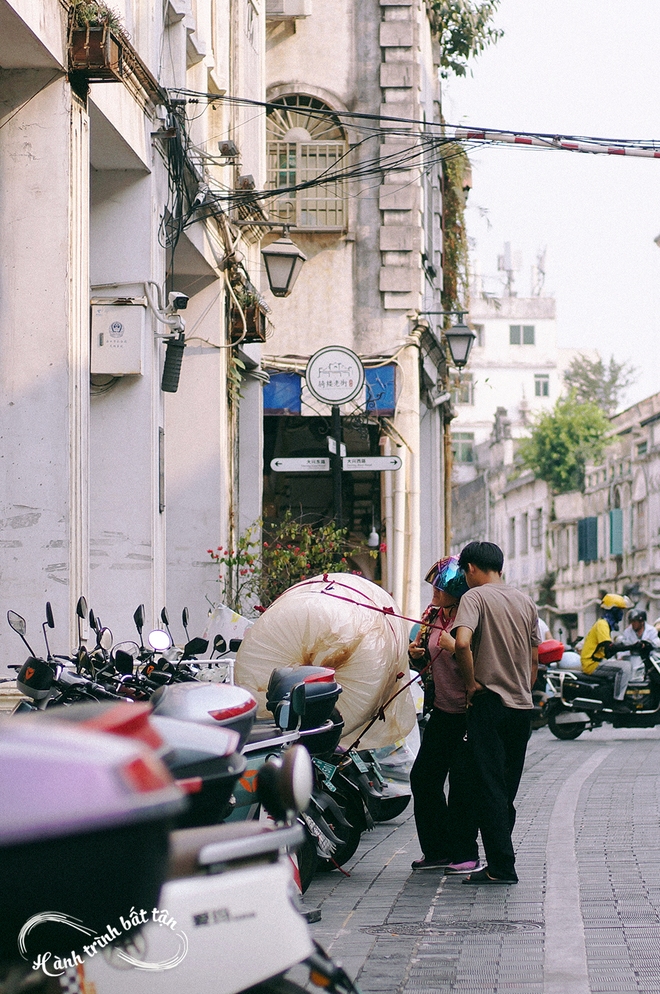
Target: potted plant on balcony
{"points": [[254, 308], [95, 47]]}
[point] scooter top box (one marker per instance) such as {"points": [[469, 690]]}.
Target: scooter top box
{"points": [[204, 760], [84, 829], [321, 691], [217, 704], [550, 651]]}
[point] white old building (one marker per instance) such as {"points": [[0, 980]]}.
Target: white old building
{"points": [[112, 487], [374, 261], [516, 365], [608, 538]]}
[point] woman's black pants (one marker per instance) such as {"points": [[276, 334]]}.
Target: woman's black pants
{"points": [[447, 828]]}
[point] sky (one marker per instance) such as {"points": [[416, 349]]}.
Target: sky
{"points": [[578, 67]]}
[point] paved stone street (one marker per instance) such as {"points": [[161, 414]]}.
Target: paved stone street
{"points": [[584, 918]]}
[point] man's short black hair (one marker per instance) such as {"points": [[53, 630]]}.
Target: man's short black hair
{"points": [[485, 556]]}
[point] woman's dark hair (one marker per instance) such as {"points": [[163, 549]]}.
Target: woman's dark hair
{"points": [[485, 556]]}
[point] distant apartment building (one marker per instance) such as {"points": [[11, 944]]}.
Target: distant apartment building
{"points": [[515, 365]]}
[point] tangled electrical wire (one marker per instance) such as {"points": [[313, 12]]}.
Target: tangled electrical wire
{"points": [[412, 144]]}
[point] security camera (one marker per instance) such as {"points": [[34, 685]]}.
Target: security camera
{"points": [[177, 301]]}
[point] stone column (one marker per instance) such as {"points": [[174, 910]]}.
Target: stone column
{"points": [[44, 165]]}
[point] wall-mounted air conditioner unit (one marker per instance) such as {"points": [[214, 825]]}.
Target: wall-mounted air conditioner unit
{"points": [[280, 10]]}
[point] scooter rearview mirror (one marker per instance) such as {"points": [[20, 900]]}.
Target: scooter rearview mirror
{"points": [[124, 662], [195, 647], [81, 612], [50, 623], [164, 616], [17, 624], [284, 785], [93, 623], [184, 621], [105, 639], [235, 644], [219, 645], [138, 618], [159, 640]]}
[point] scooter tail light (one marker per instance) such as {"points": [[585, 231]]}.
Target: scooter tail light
{"points": [[191, 785], [145, 774], [328, 676], [224, 714]]}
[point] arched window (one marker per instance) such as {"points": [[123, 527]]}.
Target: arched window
{"points": [[306, 141]]}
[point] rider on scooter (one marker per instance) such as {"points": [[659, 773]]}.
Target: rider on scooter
{"points": [[638, 630], [599, 647]]}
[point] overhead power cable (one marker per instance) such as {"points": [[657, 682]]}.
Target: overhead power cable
{"points": [[645, 148]]}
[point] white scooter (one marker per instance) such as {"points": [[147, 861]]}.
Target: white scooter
{"points": [[226, 919], [232, 921]]}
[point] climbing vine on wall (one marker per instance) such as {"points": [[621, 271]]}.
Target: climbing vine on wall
{"points": [[463, 31], [455, 277]]}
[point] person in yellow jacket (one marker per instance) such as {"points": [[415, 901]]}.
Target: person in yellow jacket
{"points": [[599, 647]]}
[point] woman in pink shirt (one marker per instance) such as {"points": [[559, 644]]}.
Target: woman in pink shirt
{"points": [[447, 830]]}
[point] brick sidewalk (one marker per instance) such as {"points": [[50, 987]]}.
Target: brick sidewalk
{"points": [[407, 933]]}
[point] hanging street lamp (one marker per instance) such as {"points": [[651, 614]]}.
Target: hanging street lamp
{"points": [[460, 339], [283, 261]]}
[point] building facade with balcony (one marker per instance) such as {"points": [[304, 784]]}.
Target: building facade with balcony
{"points": [[608, 538], [373, 240], [113, 487]]}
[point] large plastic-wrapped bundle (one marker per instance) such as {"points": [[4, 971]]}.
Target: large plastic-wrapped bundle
{"points": [[322, 622]]}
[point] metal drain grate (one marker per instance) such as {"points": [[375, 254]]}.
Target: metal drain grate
{"points": [[453, 927]]}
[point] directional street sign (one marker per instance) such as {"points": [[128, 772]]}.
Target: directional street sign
{"points": [[378, 464], [350, 464], [321, 465]]}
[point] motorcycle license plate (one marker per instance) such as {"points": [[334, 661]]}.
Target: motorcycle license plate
{"points": [[359, 763], [327, 769]]}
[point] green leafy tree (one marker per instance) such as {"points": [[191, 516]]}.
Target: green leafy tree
{"points": [[463, 30], [594, 380], [563, 441]]}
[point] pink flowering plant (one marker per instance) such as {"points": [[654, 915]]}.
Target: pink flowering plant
{"points": [[239, 571], [290, 551]]}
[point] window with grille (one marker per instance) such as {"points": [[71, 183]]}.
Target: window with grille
{"points": [[462, 446], [588, 539], [541, 386], [306, 142], [521, 334], [462, 389], [639, 525], [512, 538], [524, 534]]}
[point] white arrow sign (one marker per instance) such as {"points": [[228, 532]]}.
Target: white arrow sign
{"points": [[377, 464], [321, 465]]}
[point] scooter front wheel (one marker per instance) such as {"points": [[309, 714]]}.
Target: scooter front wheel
{"points": [[564, 729]]}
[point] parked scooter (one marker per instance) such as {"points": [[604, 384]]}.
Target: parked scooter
{"points": [[586, 700], [228, 887]]}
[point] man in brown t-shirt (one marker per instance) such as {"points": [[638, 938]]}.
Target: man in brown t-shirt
{"points": [[496, 651]]}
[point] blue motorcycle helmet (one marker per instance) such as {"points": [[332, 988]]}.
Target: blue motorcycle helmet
{"points": [[447, 575]]}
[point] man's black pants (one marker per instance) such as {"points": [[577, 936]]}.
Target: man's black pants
{"points": [[498, 738], [444, 829]]}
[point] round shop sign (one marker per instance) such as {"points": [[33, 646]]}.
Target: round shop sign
{"points": [[334, 375]]}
